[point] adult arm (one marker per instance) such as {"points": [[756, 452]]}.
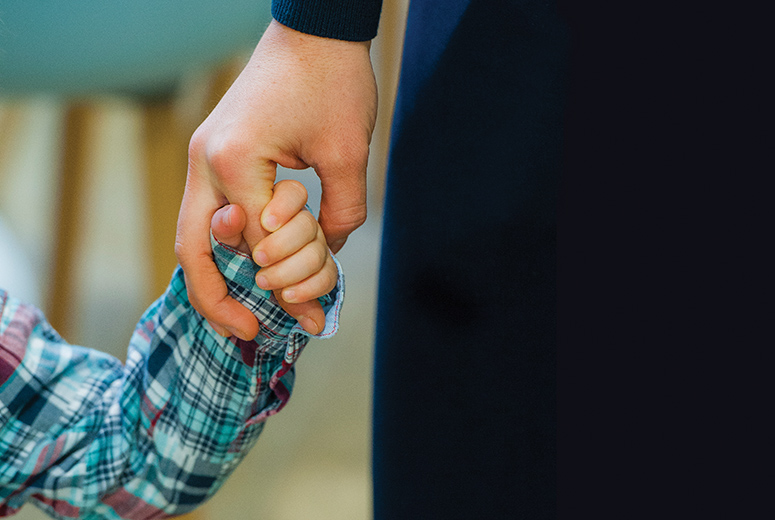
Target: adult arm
{"points": [[305, 99], [83, 436]]}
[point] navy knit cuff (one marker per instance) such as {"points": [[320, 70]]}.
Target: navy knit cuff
{"points": [[351, 20]]}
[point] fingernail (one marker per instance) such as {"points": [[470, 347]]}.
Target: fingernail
{"points": [[262, 282], [238, 333], [289, 296], [260, 257], [228, 216], [270, 223], [309, 324]]}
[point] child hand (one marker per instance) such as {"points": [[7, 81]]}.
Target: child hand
{"points": [[294, 258]]}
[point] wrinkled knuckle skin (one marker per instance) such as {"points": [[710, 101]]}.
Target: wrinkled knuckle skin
{"points": [[345, 221], [348, 157], [320, 257], [359, 220]]}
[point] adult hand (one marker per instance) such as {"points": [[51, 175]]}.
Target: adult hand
{"points": [[301, 101]]}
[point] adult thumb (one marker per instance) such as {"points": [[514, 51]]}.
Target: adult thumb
{"points": [[252, 189]]}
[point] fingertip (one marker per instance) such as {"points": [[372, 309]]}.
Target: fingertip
{"points": [[260, 257], [228, 216], [245, 327], [269, 221], [310, 325], [309, 314], [235, 218], [228, 223], [208, 295], [289, 295], [262, 282], [219, 223], [288, 198]]}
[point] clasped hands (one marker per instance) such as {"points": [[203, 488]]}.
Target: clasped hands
{"points": [[301, 101], [294, 257]]}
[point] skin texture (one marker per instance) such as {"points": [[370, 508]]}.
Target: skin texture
{"points": [[301, 101]]}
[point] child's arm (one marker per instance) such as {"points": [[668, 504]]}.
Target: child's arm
{"points": [[84, 437]]}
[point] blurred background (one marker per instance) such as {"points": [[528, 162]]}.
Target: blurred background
{"points": [[97, 103]]}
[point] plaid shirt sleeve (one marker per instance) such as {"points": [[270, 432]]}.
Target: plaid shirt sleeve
{"points": [[82, 436]]}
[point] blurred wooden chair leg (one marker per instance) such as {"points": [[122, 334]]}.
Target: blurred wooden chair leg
{"points": [[221, 79], [166, 163], [10, 118], [166, 156], [69, 213]]}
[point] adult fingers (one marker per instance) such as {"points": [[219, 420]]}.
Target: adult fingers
{"points": [[309, 314], [240, 171], [206, 287], [343, 201]]}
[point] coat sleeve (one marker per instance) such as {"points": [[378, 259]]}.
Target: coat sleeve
{"points": [[83, 436], [351, 20]]}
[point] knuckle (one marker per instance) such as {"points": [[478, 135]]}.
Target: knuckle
{"points": [[309, 226], [344, 221], [347, 156], [197, 142], [295, 187], [331, 277], [359, 218], [314, 258], [320, 255], [322, 284], [225, 160], [344, 152]]}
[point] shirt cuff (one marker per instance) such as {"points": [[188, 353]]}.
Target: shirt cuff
{"points": [[351, 20], [239, 270]]}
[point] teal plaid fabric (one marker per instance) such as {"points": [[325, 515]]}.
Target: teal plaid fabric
{"points": [[82, 436]]}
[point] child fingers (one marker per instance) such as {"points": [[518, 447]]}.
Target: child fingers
{"points": [[301, 265], [300, 231], [227, 225], [288, 198], [317, 285]]}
